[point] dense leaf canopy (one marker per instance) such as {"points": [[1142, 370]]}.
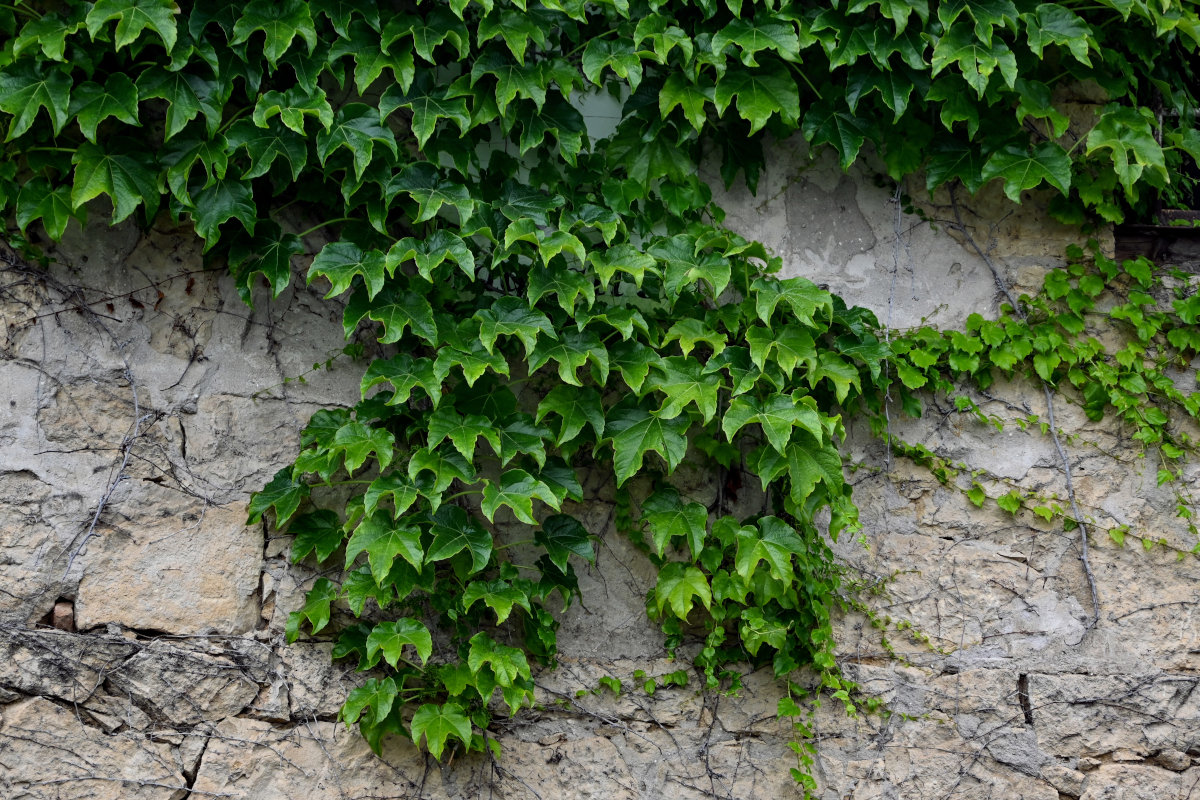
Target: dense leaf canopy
{"points": [[512, 193]]}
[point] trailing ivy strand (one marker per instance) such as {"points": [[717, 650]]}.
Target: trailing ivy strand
{"points": [[547, 298]]}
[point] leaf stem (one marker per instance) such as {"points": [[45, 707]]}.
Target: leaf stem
{"points": [[320, 225], [800, 72]]}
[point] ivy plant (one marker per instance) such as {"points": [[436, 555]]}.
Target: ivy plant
{"points": [[549, 297]]}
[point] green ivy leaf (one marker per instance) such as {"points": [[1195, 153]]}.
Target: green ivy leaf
{"points": [[133, 17], [463, 432], [508, 664], [775, 542], [683, 382], [1023, 170], [317, 532], [517, 490], [398, 309], [1128, 135], [405, 373], [760, 95], [679, 585], [92, 103], [280, 21], [498, 595], [777, 415], [125, 176], [317, 603], [749, 37], [389, 638], [577, 407], [378, 695], [37, 200], [669, 518], [356, 127], [801, 295], [187, 96], [383, 539], [371, 59], [635, 432], [428, 103], [455, 530], [975, 58], [26, 87], [563, 535], [510, 316], [446, 467], [758, 629], [402, 491], [341, 262], [220, 202], [1055, 24], [265, 145]]}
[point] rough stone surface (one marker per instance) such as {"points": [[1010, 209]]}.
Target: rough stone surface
{"points": [[140, 403]]}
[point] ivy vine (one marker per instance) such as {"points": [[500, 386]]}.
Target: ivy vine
{"points": [[549, 299]]}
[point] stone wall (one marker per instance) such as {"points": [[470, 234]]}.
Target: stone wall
{"points": [[141, 621]]}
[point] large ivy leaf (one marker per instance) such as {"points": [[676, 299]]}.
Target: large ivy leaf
{"points": [[617, 55], [775, 542], [428, 103], [826, 123], [562, 535], [283, 493], [976, 59], [760, 95], [669, 517], [356, 127], [265, 145], [399, 308], [511, 316], [1056, 24], [317, 603], [570, 351], [187, 95], [49, 33], [383, 539], [280, 22], [950, 160], [801, 295], [777, 415], [683, 265], [463, 432], [133, 17], [318, 532], [751, 36], [340, 262], [220, 202], [445, 468], [26, 87], [127, 177], [404, 373], [679, 586], [1128, 135], [634, 431], [455, 530], [292, 107], [389, 638], [52, 205], [424, 183], [691, 97], [378, 695], [439, 723], [371, 57], [758, 629], [498, 595], [358, 440], [683, 382], [517, 490], [1022, 169], [92, 103], [576, 407], [508, 664], [402, 491]]}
